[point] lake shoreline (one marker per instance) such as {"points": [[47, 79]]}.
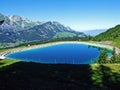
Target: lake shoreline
{"points": [[3, 54]]}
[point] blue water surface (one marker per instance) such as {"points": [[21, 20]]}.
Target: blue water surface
{"points": [[59, 54]]}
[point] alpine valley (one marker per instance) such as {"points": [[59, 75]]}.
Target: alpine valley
{"points": [[17, 30]]}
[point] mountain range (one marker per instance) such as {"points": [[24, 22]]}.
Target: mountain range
{"points": [[16, 23], [94, 32], [17, 29]]}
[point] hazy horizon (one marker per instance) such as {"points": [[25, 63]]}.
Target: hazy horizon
{"points": [[80, 15]]}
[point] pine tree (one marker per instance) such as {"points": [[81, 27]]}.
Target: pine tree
{"points": [[114, 56], [103, 57]]}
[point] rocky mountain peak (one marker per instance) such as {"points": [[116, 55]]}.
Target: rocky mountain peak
{"points": [[15, 18], [16, 23]]}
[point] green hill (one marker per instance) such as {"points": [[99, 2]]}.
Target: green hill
{"points": [[112, 34]]}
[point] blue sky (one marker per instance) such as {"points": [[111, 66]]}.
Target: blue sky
{"points": [[78, 14]]}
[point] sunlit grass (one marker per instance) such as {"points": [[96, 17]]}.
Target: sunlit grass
{"points": [[5, 63], [116, 43]]}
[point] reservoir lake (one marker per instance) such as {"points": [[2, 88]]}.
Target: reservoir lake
{"points": [[59, 54]]}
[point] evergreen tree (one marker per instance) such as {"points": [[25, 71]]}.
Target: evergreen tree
{"points": [[103, 57], [114, 56]]}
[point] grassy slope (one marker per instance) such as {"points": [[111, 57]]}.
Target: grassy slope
{"points": [[112, 34], [24, 76], [4, 63]]}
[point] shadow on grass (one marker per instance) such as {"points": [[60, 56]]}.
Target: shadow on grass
{"points": [[34, 76], [29, 76], [1, 63]]}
